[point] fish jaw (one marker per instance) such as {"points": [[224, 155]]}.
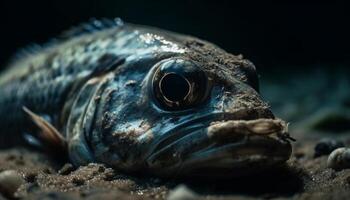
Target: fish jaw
{"points": [[225, 149]]}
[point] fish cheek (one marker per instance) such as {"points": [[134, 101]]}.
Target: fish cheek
{"points": [[123, 123], [80, 119], [79, 154]]}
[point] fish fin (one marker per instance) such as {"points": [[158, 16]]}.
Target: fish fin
{"points": [[30, 49], [49, 134], [84, 28], [91, 26], [24, 52]]}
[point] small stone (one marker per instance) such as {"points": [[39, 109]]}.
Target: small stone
{"points": [[326, 146], [66, 169], [339, 159], [10, 181], [181, 192]]}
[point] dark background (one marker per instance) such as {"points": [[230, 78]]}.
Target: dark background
{"points": [[271, 34]]}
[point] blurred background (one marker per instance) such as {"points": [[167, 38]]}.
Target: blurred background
{"points": [[301, 50], [271, 34]]}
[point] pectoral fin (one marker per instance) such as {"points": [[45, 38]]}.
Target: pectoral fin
{"points": [[49, 134]]}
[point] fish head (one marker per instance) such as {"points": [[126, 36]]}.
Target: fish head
{"points": [[184, 116], [214, 122]]}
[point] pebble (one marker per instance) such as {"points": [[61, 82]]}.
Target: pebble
{"points": [[326, 146], [10, 181], [181, 192], [339, 159]]}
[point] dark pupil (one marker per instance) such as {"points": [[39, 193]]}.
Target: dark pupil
{"points": [[174, 87]]}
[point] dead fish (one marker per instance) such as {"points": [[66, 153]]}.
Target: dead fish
{"points": [[142, 100]]}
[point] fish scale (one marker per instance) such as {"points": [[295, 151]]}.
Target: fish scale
{"points": [[43, 87], [43, 79]]}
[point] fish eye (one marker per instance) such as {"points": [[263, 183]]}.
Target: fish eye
{"points": [[180, 84]]}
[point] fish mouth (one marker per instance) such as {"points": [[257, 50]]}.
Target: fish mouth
{"points": [[226, 146]]}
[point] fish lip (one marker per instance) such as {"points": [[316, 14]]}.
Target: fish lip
{"points": [[209, 162], [205, 120], [202, 123], [231, 159], [257, 141]]}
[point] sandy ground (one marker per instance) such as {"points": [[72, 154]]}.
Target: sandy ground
{"points": [[303, 177]]}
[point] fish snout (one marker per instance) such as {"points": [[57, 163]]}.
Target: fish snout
{"points": [[225, 145]]}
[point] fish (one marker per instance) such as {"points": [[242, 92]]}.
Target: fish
{"points": [[141, 100]]}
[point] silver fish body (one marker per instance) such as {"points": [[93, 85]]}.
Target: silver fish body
{"points": [[141, 99]]}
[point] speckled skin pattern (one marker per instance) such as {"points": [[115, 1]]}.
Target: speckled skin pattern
{"points": [[96, 90]]}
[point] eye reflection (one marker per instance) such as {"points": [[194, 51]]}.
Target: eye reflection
{"points": [[174, 87]]}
